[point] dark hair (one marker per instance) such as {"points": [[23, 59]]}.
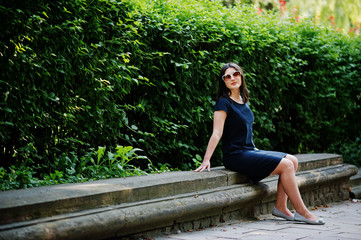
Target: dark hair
{"points": [[223, 91]]}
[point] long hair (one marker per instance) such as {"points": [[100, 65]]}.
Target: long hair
{"points": [[223, 91]]}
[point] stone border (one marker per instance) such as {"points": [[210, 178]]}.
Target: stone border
{"points": [[162, 213], [47, 201]]}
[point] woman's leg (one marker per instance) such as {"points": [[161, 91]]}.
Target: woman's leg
{"points": [[281, 202], [286, 170]]}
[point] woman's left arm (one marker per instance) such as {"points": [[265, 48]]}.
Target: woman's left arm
{"points": [[218, 125]]}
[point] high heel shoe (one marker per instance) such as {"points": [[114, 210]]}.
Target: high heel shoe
{"points": [[300, 218], [277, 213]]}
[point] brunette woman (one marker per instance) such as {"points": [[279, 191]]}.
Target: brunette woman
{"points": [[233, 120]]}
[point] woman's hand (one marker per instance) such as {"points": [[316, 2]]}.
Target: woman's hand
{"points": [[205, 165]]}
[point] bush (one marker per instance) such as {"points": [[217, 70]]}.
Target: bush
{"points": [[298, 73], [75, 75], [350, 150], [96, 164], [65, 77]]}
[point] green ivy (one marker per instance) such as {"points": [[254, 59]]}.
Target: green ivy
{"points": [[75, 75]]}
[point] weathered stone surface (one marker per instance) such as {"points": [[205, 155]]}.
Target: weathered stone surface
{"points": [[355, 185], [40, 202], [317, 160], [206, 206], [27, 204], [159, 202], [123, 220], [356, 179]]}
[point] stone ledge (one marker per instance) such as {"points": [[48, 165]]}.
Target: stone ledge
{"points": [[40, 202], [357, 192], [47, 201], [356, 179], [131, 218], [317, 160], [355, 185]]}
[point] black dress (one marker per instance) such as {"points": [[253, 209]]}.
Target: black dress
{"points": [[239, 152]]}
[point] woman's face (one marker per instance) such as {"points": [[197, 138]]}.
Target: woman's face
{"points": [[232, 78]]}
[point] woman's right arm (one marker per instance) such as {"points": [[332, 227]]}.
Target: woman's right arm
{"points": [[218, 125]]}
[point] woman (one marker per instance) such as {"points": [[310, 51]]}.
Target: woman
{"points": [[233, 119]]}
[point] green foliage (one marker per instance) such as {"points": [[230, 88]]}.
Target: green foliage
{"points": [[95, 164], [113, 164], [197, 160], [351, 151], [298, 73], [79, 74], [65, 76]]}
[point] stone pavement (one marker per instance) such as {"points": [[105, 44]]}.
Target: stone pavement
{"points": [[343, 221]]}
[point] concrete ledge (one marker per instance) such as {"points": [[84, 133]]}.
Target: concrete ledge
{"points": [[131, 218], [317, 160], [121, 207], [125, 220], [40, 202], [355, 185]]}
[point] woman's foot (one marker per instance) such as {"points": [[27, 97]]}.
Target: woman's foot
{"points": [[285, 213], [308, 217], [300, 218]]}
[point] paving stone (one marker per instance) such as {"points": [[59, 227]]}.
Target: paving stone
{"points": [[342, 222]]}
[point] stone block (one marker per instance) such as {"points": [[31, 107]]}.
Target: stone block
{"points": [[179, 209]]}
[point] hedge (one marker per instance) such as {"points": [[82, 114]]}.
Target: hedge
{"points": [[79, 75]]}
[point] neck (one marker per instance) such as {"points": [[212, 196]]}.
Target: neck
{"points": [[236, 96]]}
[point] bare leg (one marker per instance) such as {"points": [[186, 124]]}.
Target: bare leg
{"points": [[281, 202], [286, 170]]}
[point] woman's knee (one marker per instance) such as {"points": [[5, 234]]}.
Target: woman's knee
{"points": [[294, 160], [285, 165]]}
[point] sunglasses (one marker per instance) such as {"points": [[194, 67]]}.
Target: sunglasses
{"points": [[228, 77]]}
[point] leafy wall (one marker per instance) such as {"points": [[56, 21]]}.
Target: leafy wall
{"points": [[75, 75]]}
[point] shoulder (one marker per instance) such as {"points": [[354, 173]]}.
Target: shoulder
{"points": [[222, 104], [223, 100]]}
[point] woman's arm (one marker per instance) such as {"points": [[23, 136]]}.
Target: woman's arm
{"points": [[218, 125]]}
